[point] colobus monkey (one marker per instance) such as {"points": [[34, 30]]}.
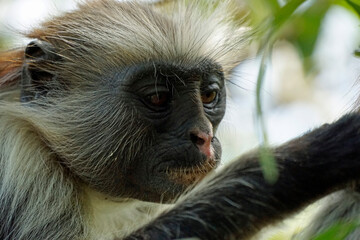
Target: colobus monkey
{"points": [[110, 112]]}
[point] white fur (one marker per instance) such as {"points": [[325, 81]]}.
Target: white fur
{"points": [[110, 217]]}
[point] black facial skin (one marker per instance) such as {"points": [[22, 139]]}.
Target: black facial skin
{"points": [[171, 124]]}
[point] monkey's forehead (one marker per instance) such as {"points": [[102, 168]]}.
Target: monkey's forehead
{"points": [[115, 33], [167, 72]]}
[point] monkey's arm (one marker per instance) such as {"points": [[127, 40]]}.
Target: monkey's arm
{"points": [[237, 201]]}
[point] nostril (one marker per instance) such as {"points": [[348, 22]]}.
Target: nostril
{"points": [[203, 142]]}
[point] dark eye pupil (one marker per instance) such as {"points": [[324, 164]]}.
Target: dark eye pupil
{"points": [[159, 99], [208, 97]]}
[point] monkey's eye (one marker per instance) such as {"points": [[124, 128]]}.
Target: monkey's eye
{"points": [[208, 97], [160, 99]]}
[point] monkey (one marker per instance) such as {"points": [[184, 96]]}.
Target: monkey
{"points": [[108, 121]]}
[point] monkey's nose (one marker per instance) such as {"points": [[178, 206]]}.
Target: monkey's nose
{"points": [[203, 142]]}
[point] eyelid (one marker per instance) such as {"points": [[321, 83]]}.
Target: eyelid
{"points": [[211, 87], [151, 89]]}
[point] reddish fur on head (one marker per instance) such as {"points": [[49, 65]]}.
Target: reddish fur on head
{"points": [[10, 67]]}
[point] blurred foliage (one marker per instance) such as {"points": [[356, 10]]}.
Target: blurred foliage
{"points": [[297, 22], [338, 231]]}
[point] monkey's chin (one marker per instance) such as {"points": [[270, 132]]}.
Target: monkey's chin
{"points": [[169, 181], [189, 176]]}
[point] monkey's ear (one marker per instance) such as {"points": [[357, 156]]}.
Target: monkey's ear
{"points": [[35, 76]]}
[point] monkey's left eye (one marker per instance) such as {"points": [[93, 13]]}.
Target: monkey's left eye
{"points": [[208, 97], [159, 99]]}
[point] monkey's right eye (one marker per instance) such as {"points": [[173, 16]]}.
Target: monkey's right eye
{"points": [[160, 99]]}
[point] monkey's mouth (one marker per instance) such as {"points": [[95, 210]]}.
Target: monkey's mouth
{"points": [[190, 175]]}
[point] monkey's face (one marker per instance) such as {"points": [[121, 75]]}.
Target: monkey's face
{"points": [[162, 119], [148, 129], [144, 131]]}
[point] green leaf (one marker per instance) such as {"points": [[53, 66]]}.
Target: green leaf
{"points": [[355, 4], [260, 10], [267, 160], [269, 165], [286, 11], [357, 52], [303, 29], [274, 5], [338, 231]]}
